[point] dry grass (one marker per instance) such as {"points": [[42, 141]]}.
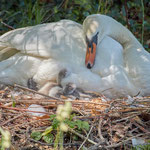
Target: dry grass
{"points": [[113, 123]]}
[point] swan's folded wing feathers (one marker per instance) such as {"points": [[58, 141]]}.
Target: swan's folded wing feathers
{"points": [[44, 40], [20, 39], [7, 52], [8, 47]]}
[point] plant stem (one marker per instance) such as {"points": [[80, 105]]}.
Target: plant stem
{"points": [[126, 10], [142, 21], [61, 140], [57, 139], [81, 136], [99, 7]]}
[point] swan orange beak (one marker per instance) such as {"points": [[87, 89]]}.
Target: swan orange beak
{"points": [[90, 56], [91, 51]]}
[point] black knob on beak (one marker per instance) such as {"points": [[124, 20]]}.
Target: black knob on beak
{"points": [[89, 66]]}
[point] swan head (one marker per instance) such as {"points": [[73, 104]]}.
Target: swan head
{"points": [[93, 30], [91, 51]]}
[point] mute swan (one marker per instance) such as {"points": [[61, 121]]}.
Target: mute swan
{"points": [[116, 56], [135, 63], [41, 52]]}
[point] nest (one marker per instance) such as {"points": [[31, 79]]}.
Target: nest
{"points": [[113, 123]]}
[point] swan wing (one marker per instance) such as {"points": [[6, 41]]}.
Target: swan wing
{"points": [[44, 40], [23, 51]]}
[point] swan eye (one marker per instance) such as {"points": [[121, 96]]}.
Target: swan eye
{"points": [[95, 38]]}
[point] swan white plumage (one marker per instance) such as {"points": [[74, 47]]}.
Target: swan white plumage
{"points": [[121, 64], [125, 65], [41, 51], [136, 60]]}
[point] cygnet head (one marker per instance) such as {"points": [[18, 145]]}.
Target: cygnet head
{"points": [[32, 84], [56, 91], [69, 88], [62, 74]]}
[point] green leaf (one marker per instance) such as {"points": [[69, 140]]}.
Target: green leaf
{"points": [[71, 116], [49, 138], [72, 124], [79, 124], [85, 125], [13, 104], [36, 135], [48, 130], [123, 11], [0, 143], [55, 123], [55, 10], [75, 137], [52, 117], [86, 13]]}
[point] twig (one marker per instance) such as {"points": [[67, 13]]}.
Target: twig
{"points": [[6, 25], [18, 109], [2, 124], [133, 109], [61, 4], [120, 143], [79, 111], [81, 136], [88, 102], [139, 126], [122, 119], [86, 138], [99, 130], [28, 123], [33, 91], [110, 106], [48, 101], [42, 143], [111, 131]]}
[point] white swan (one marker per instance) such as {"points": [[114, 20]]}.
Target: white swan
{"points": [[135, 65], [117, 57], [121, 65], [41, 52]]}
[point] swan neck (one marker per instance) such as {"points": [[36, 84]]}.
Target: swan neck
{"points": [[125, 37]]}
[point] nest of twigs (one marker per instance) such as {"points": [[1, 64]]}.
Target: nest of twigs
{"points": [[113, 123]]}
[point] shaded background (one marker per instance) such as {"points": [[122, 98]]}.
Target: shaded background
{"points": [[134, 14]]}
